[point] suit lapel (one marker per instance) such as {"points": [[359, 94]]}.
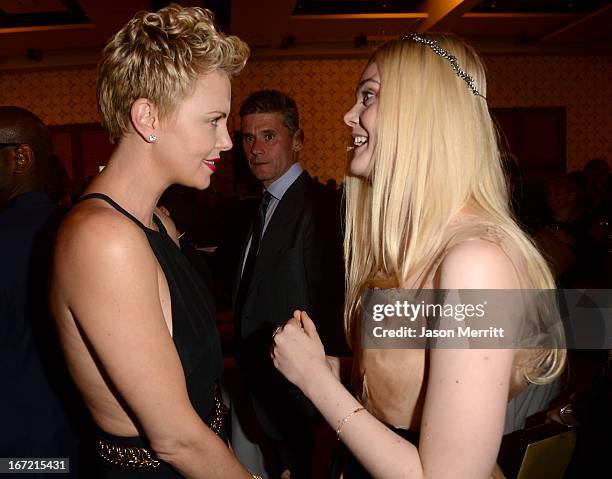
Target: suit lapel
{"points": [[276, 235], [238, 275]]}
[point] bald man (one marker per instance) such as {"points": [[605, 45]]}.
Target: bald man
{"points": [[33, 422]]}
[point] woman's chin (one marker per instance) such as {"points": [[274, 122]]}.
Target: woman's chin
{"points": [[199, 183], [359, 166]]}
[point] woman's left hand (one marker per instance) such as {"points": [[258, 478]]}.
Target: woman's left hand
{"points": [[297, 351]]}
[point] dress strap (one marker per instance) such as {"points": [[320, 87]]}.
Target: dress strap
{"points": [[120, 209]]}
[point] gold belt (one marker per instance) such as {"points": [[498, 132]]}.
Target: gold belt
{"points": [[217, 421], [127, 456], [137, 457]]}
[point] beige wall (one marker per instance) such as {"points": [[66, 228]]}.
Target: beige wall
{"points": [[324, 90]]}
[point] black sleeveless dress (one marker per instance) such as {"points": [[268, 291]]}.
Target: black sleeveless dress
{"points": [[195, 337]]}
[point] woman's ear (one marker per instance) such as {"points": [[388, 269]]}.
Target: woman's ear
{"points": [[145, 119]]}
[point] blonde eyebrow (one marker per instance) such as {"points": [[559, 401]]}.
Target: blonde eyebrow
{"points": [[363, 82]]}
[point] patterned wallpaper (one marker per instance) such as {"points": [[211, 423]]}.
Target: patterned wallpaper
{"points": [[583, 85], [324, 89], [59, 97]]}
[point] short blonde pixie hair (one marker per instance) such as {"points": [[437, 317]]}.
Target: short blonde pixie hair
{"points": [[158, 56]]}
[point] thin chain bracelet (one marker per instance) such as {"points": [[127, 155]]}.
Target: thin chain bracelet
{"points": [[346, 419]]}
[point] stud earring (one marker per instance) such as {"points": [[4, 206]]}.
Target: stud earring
{"points": [[152, 138]]}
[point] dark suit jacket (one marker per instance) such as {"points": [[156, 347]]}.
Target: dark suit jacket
{"points": [[299, 266], [35, 401]]}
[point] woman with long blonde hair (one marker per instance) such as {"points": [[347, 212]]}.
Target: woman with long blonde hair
{"points": [[427, 208]]}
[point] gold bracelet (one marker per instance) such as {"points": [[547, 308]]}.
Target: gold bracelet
{"points": [[346, 419], [564, 412], [255, 476]]}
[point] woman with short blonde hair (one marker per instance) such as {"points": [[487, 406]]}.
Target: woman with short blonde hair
{"points": [[135, 320]]}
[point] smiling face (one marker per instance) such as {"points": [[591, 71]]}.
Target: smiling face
{"points": [[269, 146], [362, 118], [191, 140]]}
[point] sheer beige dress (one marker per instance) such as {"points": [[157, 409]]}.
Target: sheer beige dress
{"points": [[390, 383]]}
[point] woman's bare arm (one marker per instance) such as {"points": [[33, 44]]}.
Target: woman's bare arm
{"points": [[108, 275], [467, 390]]}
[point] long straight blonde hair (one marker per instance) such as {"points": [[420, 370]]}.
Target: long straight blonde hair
{"points": [[436, 153]]}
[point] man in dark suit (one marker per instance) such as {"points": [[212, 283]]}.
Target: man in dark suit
{"points": [[35, 384], [292, 260]]}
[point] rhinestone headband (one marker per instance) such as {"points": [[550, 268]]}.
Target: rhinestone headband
{"points": [[438, 50]]}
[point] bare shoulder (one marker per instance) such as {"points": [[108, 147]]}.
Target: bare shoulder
{"points": [[96, 243], [477, 264], [98, 229]]}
